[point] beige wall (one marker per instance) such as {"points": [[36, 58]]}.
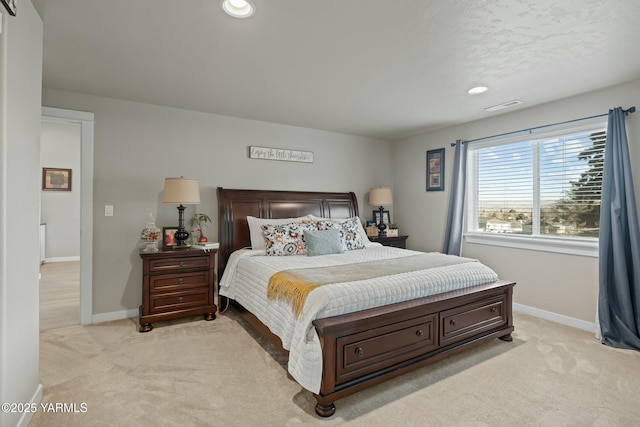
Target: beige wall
{"points": [[563, 284], [20, 93], [138, 145]]}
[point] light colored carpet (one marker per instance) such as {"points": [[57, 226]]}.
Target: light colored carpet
{"points": [[59, 294], [198, 373]]}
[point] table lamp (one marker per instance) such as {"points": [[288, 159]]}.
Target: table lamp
{"points": [[181, 191], [379, 197]]}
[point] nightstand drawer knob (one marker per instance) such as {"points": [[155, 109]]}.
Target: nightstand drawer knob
{"points": [[180, 281], [359, 351], [180, 299], [494, 309], [181, 263], [453, 322], [419, 332]]}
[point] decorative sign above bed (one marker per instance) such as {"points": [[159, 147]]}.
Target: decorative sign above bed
{"points": [[266, 153], [10, 5]]}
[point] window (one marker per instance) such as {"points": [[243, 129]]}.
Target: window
{"points": [[537, 191]]}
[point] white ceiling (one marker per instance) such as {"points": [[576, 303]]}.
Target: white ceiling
{"points": [[381, 68]]}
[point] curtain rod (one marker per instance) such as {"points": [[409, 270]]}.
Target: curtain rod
{"points": [[626, 113]]}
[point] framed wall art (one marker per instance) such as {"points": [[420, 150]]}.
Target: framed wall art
{"points": [[56, 179], [435, 170]]}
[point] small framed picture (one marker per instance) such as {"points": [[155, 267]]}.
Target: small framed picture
{"points": [[169, 237], [385, 217], [56, 179], [435, 170], [10, 5]]}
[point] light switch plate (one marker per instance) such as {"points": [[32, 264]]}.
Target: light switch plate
{"points": [[108, 210]]}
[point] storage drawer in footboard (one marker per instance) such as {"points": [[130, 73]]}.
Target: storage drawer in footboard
{"points": [[371, 350], [470, 319]]}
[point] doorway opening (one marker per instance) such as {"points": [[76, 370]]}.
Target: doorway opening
{"points": [[60, 224], [73, 261]]}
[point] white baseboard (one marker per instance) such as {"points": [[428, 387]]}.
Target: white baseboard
{"points": [[63, 259], [555, 317], [115, 315], [25, 419]]}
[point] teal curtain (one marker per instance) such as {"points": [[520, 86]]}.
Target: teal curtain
{"points": [[619, 262], [455, 217]]}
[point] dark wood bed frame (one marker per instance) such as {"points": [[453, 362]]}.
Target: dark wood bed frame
{"points": [[367, 347]]}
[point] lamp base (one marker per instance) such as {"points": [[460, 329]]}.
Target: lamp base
{"points": [[381, 225], [382, 230], [181, 233]]}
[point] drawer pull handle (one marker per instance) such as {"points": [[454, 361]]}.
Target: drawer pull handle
{"points": [[494, 309], [181, 264], [453, 322], [180, 299], [359, 351], [180, 281], [419, 332]]}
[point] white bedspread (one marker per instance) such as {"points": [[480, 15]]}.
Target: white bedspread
{"points": [[247, 274]]}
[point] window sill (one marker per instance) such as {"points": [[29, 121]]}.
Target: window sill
{"points": [[581, 247]]}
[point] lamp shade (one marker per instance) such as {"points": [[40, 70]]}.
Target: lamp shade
{"points": [[181, 191], [380, 196]]}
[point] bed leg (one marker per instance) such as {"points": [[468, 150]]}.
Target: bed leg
{"points": [[507, 338], [325, 410]]}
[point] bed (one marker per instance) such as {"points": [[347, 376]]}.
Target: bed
{"points": [[355, 349]]}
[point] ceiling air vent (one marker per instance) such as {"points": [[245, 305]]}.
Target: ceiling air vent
{"points": [[504, 105]]}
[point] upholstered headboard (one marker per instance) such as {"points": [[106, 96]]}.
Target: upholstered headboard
{"points": [[235, 205]]}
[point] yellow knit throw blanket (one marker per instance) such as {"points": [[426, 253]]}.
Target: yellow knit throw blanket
{"points": [[294, 285]]}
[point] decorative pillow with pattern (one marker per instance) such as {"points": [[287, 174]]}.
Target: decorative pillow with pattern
{"points": [[361, 230], [286, 239], [255, 227], [349, 235]]}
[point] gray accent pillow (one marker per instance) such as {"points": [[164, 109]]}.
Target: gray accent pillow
{"points": [[323, 242]]}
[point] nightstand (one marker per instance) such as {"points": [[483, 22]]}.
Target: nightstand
{"points": [[177, 283], [396, 241]]}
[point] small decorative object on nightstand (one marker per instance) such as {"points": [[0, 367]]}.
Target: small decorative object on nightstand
{"points": [[150, 235], [396, 241], [392, 231], [199, 220], [372, 231], [177, 284]]}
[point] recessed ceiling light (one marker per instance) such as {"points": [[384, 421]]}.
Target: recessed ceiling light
{"points": [[478, 89], [238, 8]]}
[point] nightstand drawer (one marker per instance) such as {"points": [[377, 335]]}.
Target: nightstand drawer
{"points": [[179, 300], [170, 264], [178, 281]]}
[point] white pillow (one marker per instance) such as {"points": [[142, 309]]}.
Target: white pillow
{"points": [[255, 228], [361, 231]]}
